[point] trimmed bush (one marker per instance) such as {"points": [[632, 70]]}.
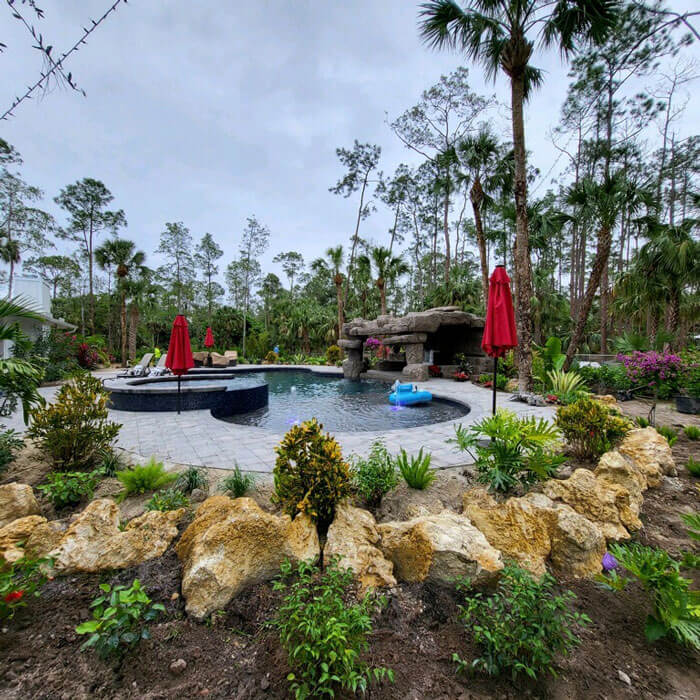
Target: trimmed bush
{"points": [[74, 430], [310, 473], [591, 427]]}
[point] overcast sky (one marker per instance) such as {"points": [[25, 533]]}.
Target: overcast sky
{"points": [[207, 112]]}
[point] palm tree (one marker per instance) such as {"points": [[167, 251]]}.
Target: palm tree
{"points": [[386, 266], [672, 258], [499, 34], [121, 254], [335, 257], [479, 154]]}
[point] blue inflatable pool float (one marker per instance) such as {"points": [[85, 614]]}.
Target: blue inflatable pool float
{"points": [[405, 395]]}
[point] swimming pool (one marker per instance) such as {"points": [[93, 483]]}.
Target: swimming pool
{"points": [[342, 405]]}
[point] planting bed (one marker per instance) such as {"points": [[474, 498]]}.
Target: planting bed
{"points": [[234, 654]]}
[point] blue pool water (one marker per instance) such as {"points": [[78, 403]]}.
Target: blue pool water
{"points": [[342, 405]]}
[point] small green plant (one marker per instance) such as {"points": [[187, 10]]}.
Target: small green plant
{"points": [[522, 627], [140, 479], [564, 383], [669, 433], [416, 469], [676, 606], [692, 520], [20, 581], [10, 443], [591, 427], [237, 484], [324, 636], [170, 499], [693, 466], [374, 475], [333, 354], [119, 619], [74, 430], [111, 461], [642, 422], [68, 488], [692, 432], [192, 478], [310, 473], [517, 453]]}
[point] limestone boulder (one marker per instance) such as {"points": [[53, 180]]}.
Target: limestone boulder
{"points": [[15, 534], [16, 501], [353, 537], [94, 542], [46, 537], [534, 530], [232, 544], [440, 547], [650, 452], [608, 505], [615, 468], [578, 544], [520, 527]]}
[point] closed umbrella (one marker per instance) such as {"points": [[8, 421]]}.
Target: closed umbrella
{"points": [[179, 359], [499, 331], [209, 344]]}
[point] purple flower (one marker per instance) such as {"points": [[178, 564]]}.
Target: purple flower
{"points": [[609, 562]]}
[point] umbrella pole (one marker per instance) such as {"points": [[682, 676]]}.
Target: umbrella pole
{"points": [[178, 395], [495, 374]]}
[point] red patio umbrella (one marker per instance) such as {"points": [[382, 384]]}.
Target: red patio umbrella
{"points": [[179, 358], [209, 344], [499, 331]]}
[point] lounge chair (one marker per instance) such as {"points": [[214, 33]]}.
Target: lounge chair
{"points": [[160, 369], [139, 370]]}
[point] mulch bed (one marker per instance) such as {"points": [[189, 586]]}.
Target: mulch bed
{"points": [[235, 655]]}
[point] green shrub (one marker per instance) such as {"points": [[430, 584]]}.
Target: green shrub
{"points": [[518, 450], [333, 355], [693, 466], [237, 484], [111, 461], [10, 443], [119, 619], [669, 433], [323, 635], [522, 627], [692, 520], [676, 607], [591, 427], [19, 581], [416, 469], [310, 474], [192, 478], [642, 422], [272, 358], [692, 432], [605, 379], [374, 476], [143, 478], [74, 430], [564, 383], [68, 488], [170, 499]]}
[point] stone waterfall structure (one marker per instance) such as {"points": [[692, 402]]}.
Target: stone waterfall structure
{"points": [[446, 331]]}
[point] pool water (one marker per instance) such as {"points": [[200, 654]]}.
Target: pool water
{"points": [[342, 405]]}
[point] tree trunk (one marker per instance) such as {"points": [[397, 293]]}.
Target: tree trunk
{"points": [[523, 271], [355, 238], [446, 227], [600, 262], [382, 295], [477, 196], [339, 297], [133, 329], [604, 310], [674, 312], [122, 320]]}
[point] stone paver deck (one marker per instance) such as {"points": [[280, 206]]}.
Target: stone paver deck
{"points": [[197, 438]]}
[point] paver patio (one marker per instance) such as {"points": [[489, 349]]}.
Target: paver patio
{"points": [[197, 438]]}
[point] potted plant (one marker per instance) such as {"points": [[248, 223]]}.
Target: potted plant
{"points": [[688, 400], [460, 376], [434, 371]]}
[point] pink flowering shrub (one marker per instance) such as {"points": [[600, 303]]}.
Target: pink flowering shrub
{"points": [[372, 343], [87, 357], [654, 372]]}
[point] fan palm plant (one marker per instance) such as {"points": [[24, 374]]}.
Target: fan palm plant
{"points": [[19, 378], [500, 34], [335, 257], [386, 266]]}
